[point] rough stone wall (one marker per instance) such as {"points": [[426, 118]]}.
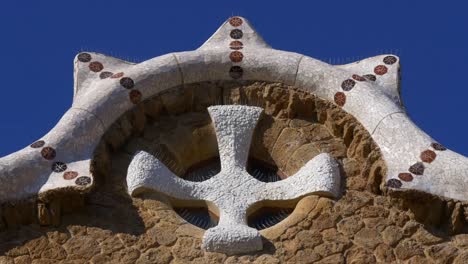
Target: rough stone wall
{"points": [[363, 226]]}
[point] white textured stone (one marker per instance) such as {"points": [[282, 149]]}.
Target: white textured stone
{"points": [[402, 143], [233, 190], [26, 173]]}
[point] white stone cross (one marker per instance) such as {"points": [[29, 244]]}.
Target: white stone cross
{"points": [[233, 191]]}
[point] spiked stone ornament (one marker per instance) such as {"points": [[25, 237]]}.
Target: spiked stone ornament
{"points": [[233, 191], [106, 88]]}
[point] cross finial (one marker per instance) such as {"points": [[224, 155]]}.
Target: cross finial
{"points": [[233, 190]]}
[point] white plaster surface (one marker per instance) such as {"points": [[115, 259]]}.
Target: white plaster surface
{"points": [[26, 173], [445, 176], [233, 190]]}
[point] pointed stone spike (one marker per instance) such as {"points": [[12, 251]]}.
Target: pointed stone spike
{"points": [[90, 67], [385, 68], [241, 29]]}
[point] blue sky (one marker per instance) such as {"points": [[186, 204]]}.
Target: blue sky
{"points": [[40, 39]]}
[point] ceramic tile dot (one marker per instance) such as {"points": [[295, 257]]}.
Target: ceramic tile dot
{"points": [[117, 75], [84, 57], [70, 175], [389, 60], [236, 72], [394, 183], [236, 45], [370, 77], [380, 70], [38, 144], [96, 66], [48, 153], [236, 56], [358, 78], [438, 146], [417, 168], [340, 98], [236, 34], [235, 21], [105, 75], [59, 167], [83, 180], [127, 82], [347, 85], [135, 96], [428, 156], [407, 177]]}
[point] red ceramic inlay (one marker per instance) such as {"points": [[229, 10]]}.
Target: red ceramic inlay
{"points": [[347, 85], [417, 168], [407, 177], [389, 60], [70, 175], [135, 96], [235, 21], [236, 56], [96, 66], [84, 57], [236, 45], [38, 144], [428, 156], [48, 153], [358, 78], [380, 70], [83, 180], [438, 146], [340, 98], [105, 75], [394, 183], [117, 75], [127, 82], [236, 34]]}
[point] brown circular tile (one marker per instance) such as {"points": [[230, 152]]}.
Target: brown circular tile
{"points": [[83, 180], [117, 75], [428, 156], [236, 72], [59, 166], [70, 175], [48, 153], [84, 57], [389, 60], [347, 85], [96, 66], [236, 34], [105, 75], [236, 56], [394, 183], [358, 78], [438, 146], [407, 177], [380, 70], [340, 98], [38, 144], [370, 77], [135, 96], [127, 82], [417, 168], [236, 45], [235, 21]]}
